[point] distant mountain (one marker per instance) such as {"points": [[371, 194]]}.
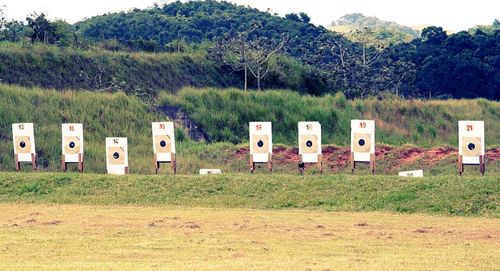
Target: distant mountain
{"points": [[356, 24]]}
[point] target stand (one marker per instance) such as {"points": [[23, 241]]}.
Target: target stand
{"points": [[363, 144], [64, 164], [371, 163], [302, 164], [33, 162], [172, 161], [164, 145], [471, 145], [482, 164], [261, 145], [72, 145], [24, 145], [254, 164], [310, 151]]}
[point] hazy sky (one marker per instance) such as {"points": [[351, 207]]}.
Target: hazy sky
{"points": [[453, 15]]}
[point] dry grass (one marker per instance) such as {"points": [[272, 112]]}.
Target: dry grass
{"points": [[72, 237]]}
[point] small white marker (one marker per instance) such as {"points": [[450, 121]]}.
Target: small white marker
{"points": [[412, 173]]}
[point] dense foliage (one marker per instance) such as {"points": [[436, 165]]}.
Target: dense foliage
{"points": [[462, 65]]}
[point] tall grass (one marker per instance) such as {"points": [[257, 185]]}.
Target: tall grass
{"points": [[102, 114], [225, 114]]}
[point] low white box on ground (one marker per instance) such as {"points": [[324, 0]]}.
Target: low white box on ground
{"points": [[412, 173], [210, 171]]}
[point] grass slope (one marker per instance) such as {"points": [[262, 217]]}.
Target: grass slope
{"points": [[450, 195], [102, 114], [225, 114]]}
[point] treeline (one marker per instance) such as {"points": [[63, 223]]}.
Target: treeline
{"points": [[433, 66]]}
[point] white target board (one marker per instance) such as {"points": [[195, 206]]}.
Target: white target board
{"points": [[116, 155], [261, 143], [362, 139], [309, 141], [163, 141], [72, 141], [471, 141], [24, 141]]}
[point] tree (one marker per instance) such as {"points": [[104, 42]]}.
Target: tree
{"points": [[304, 17], [41, 29], [259, 53], [434, 35], [233, 51]]}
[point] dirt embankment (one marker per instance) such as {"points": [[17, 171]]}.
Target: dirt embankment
{"points": [[336, 158]]}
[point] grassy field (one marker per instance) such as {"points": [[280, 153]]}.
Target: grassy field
{"points": [[75, 237], [445, 195]]}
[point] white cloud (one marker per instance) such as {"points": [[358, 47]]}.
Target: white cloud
{"points": [[453, 15]]}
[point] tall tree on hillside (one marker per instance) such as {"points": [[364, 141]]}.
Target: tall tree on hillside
{"points": [[259, 53], [41, 29], [232, 50]]}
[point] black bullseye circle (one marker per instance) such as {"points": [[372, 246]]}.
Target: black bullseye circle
{"points": [[116, 155], [72, 144], [163, 143], [361, 142], [471, 146], [22, 144], [309, 143], [260, 143]]}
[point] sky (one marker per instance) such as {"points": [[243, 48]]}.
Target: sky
{"points": [[451, 15]]}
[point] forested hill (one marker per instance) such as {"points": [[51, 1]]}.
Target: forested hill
{"points": [[357, 26], [436, 65]]}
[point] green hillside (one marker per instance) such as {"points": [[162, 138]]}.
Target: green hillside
{"points": [[380, 31], [139, 73], [224, 114]]}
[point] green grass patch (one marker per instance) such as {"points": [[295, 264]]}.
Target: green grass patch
{"points": [[449, 195]]}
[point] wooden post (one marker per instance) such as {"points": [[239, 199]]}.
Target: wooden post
{"points": [[80, 162], [482, 164], [251, 164], [353, 163], [301, 165], [63, 163], [33, 161], [156, 165], [173, 160], [372, 163], [460, 165], [18, 165], [270, 163], [320, 163], [126, 170]]}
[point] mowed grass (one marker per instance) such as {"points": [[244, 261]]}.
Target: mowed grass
{"points": [[449, 195], [75, 237]]}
